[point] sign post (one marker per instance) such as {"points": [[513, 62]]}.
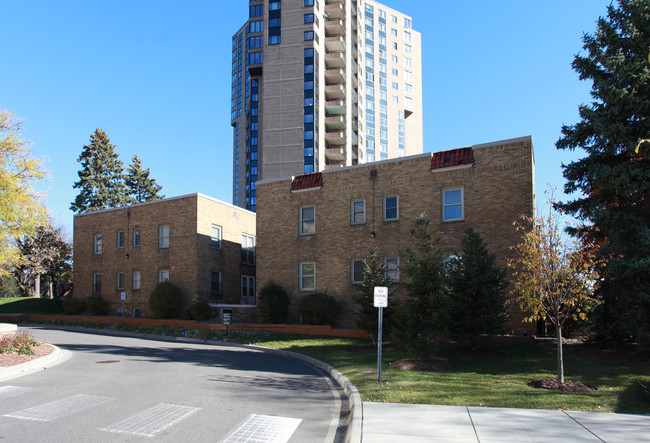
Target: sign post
{"points": [[381, 302], [123, 297]]}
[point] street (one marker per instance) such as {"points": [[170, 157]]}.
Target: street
{"points": [[117, 388]]}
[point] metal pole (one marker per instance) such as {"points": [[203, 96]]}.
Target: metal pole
{"points": [[122, 312], [379, 345]]}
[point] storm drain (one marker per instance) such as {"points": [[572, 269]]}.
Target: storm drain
{"points": [[53, 410], [264, 429], [108, 361]]}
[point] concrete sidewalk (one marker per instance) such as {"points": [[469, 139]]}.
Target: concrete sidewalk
{"points": [[390, 422]]}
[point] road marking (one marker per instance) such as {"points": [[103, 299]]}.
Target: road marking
{"points": [[53, 410], [264, 429], [153, 421], [12, 391]]}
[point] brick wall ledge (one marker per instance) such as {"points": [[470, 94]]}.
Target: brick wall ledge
{"points": [[316, 330]]}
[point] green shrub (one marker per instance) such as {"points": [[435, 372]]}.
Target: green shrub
{"points": [[166, 300], [318, 309], [73, 306], [96, 305], [197, 311], [19, 342], [273, 303]]}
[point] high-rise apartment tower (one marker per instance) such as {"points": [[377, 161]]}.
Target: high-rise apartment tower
{"points": [[320, 84]]}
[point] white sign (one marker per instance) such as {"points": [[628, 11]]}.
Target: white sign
{"points": [[381, 297]]}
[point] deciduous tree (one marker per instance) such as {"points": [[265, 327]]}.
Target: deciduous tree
{"points": [[20, 208], [101, 178], [613, 179]]}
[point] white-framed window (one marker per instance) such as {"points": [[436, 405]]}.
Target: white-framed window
{"points": [[391, 268], [136, 237], [408, 102], [407, 23], [248, 289], [247, 249], [97, 283], [163, 236], [120, 239], [215, 237], [357, 212], [120, 281], [395, 99], [393, 18], [393, 32], [307, 276], [215, 281], [408, 62], [307, 220], [408, 75], [356, 271], [136, 280], [408, 88], [408, 49], [98, 245], [163, 275], [391, 207], [407, 36], [394, 59], [453, 204]]}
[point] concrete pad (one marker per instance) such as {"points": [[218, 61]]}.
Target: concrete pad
{"points": [[612, 427], [390, 422], [7, 328], [527, 425]]}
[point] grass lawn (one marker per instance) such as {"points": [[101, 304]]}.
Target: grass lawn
{"points": [[623, 381], [30, 305]]}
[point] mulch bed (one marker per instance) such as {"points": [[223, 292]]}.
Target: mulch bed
{"points": [[16, 359], [554, 385], [413, 364]]}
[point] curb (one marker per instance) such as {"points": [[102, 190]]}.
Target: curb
{"points": [[38, 364], [353, 435]]}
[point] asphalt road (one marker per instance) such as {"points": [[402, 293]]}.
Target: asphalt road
{"points": [[117, 388]]}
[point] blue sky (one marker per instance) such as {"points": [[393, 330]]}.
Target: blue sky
{"points": [[155, 75]]}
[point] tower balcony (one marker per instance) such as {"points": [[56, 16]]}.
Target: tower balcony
{"points": [[336, 122], [335, 153], [335, 138], [355, 138], [335, 107], [334, 76], [335, 60], [334, 92], [329, 2], [355, 110], [335, 44], [355, 96], [334, 27], [334, 10]]}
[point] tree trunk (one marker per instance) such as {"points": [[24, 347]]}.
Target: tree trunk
{"points": [[50, 288], [642, 333], [560, 358], [37, 286]]}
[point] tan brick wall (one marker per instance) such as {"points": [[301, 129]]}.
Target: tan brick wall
{"points": [[498, 189], [189, 258]]}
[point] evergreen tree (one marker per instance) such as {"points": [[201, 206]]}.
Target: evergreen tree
{"points": [[614, 177], [366, 315], [101, 178], [423, 317], [477, 301], [141, 188]]}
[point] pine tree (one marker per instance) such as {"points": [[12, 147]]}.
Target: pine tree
{"points": [[423, 316], [366, 315], [141, 188], [101, 178], [614, 177], [477, 301]]}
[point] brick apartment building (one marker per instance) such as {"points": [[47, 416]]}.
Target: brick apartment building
{"points": [[314, 230], [203, 245]]}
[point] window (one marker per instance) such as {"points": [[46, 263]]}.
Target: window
{"points": [[256, 26], [136, 280], [215, 237], [136, 237], [274, 5], [309, 18], [393, 32], [98, 245], [407, 49], [407, 23], [395, 99], [358, 212], [309, 2], [407, 36], [215, 281], [163, 236], [391, 209], [307, 220], [452, 204], [408, 88], [248, 290], [120, 280], [408, 75], [309, 35], [393, 18], [120, 239], [163, 275], [394, 59], [97, 284], [394, 85], [408, 62], [307, 276], [391, 269], [247, 249], [356, 271], [408, 102]]}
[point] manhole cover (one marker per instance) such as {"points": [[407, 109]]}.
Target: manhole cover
{"points": [[108, 361]]}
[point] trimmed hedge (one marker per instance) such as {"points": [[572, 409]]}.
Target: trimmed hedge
{"points": [[318, 309], [166, 300]]}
